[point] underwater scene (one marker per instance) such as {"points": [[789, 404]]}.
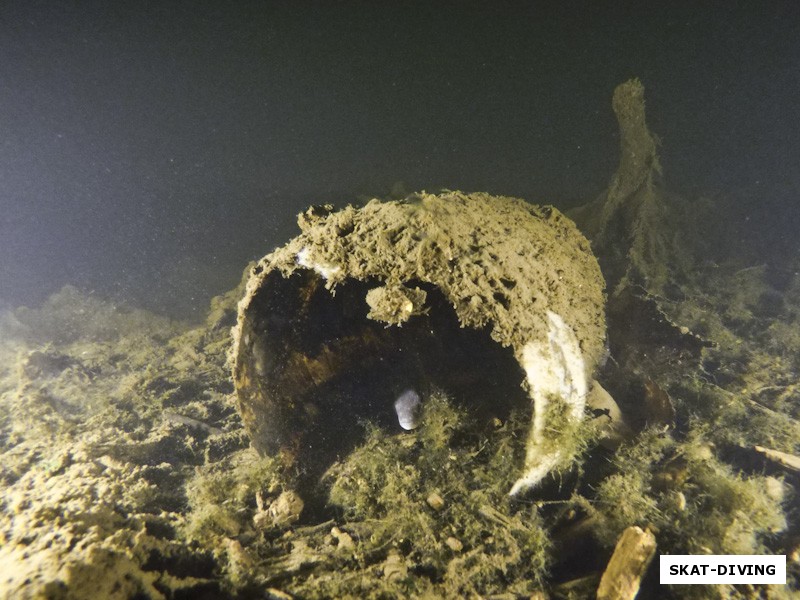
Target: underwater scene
{"points": [[427, 392]]}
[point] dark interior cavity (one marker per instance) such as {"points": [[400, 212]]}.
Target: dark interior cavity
{"points": [[318, 368]]}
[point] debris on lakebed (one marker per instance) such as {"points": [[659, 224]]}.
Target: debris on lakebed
{"points": [[451, 291], [128, 472]]}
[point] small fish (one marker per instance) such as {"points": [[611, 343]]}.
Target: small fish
{"points": [[190, 422], [408, 407]]}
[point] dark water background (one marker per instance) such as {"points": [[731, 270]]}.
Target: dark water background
{"points": [[148, 152]]}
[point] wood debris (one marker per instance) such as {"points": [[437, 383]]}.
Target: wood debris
{"points": [[632, 555]]}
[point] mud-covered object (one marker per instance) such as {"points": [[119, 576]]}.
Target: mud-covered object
{"points": [[472, 293]]}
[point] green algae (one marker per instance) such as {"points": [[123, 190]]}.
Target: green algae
{"points": [[101, 485], [411, 514]]}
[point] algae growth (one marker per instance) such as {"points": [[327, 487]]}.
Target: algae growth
{"points": [[100, 479], [127, 472], [150, 506]]}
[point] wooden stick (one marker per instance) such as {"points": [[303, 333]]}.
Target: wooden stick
{"points": [[635, 549]]}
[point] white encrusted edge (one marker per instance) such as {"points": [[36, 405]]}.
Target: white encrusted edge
{"points": [[304, 259], [553, 367]]}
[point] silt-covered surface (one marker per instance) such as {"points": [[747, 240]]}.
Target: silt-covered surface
{"points": [[501, 261], [320, 306], [126, 472]]}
